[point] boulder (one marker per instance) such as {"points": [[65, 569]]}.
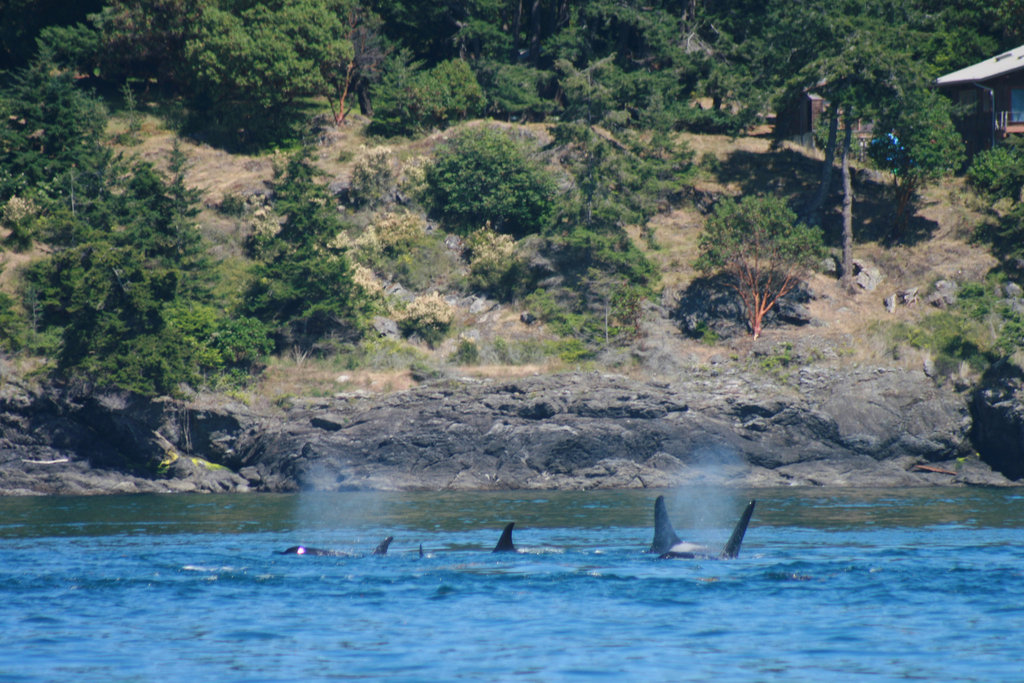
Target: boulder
{"points": [[944, 295], [866, 276]]}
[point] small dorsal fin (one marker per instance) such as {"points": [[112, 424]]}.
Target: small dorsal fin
{"points": [[382, 547], [664, 535], [732, 548], [505, 544]]}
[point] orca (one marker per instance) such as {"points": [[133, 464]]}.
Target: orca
{"points": [[319, 552], [667, 545], [505, 544], [381, 549]]}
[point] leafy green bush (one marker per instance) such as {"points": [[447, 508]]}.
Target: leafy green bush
{"points": [[513, 92], [998, 172], [482, 175], [232, 205], [1011, 335], [409, 99], [466, 353], [221, 346], [977, 331], [921, 145]]}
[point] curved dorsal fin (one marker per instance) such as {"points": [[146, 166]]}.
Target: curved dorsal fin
{"points": [[505, 544], [382, 547], [664, 535], [732, 548]]}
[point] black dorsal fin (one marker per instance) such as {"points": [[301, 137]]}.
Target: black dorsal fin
{"points": [[505, 544], [382, 547], [664, 535], [732, 548]]}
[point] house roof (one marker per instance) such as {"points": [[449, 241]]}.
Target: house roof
{"points": [[990, 68]]}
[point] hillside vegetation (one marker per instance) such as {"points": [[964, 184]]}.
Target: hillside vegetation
{"points": [[181, 215]]}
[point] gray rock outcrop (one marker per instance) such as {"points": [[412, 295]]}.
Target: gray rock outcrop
{"points": [[998, 410], [867, 427], [591, 431]]}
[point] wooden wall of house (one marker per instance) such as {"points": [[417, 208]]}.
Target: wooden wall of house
{"points": [[797, 120], [978, 122], [973, 116]]}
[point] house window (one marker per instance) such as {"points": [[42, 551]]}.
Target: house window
{"points": [[1017, 105]]}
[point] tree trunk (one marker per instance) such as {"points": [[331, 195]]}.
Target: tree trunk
{"points": [[812, 212], [365, 103], [535, 33], [339, 117], [847, 207], [516, 24]]}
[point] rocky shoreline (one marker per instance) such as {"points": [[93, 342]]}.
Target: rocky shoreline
{"points": [[865, 427]]}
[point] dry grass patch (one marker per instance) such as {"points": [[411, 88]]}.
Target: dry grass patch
{"points": [[282, 380], [676, 236], [510, 371]]}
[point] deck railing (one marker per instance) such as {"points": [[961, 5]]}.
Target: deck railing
{"points": [[1005, 119]]}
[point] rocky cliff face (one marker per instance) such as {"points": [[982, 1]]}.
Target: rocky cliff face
{"points": [[875, 427], [998, 424]]}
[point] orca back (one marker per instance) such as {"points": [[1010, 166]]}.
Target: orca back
{"points": [[732, 548], [382, 547], [505, 544], [664, 535], [303, 550]]}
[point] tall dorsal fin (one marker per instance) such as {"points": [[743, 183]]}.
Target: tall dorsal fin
{"points": [[732, 548], [382, 547], [664, 535], [505, 544]]}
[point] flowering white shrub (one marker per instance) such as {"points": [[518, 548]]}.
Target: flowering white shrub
{"points": [[391, 233], [429, 315], [18, 216], [413, 179], [367, 280], [18, 209], [373, 176], [494, 265]]}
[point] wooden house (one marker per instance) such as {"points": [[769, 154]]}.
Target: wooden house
{"points": [[797, 121], [989, 98]]}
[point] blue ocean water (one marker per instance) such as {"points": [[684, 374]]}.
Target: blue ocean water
{"points": [[830, 585]]}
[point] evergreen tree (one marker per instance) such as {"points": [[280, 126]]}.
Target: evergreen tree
{"points": [[50, 135], [109, 293], [302, 284]]}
